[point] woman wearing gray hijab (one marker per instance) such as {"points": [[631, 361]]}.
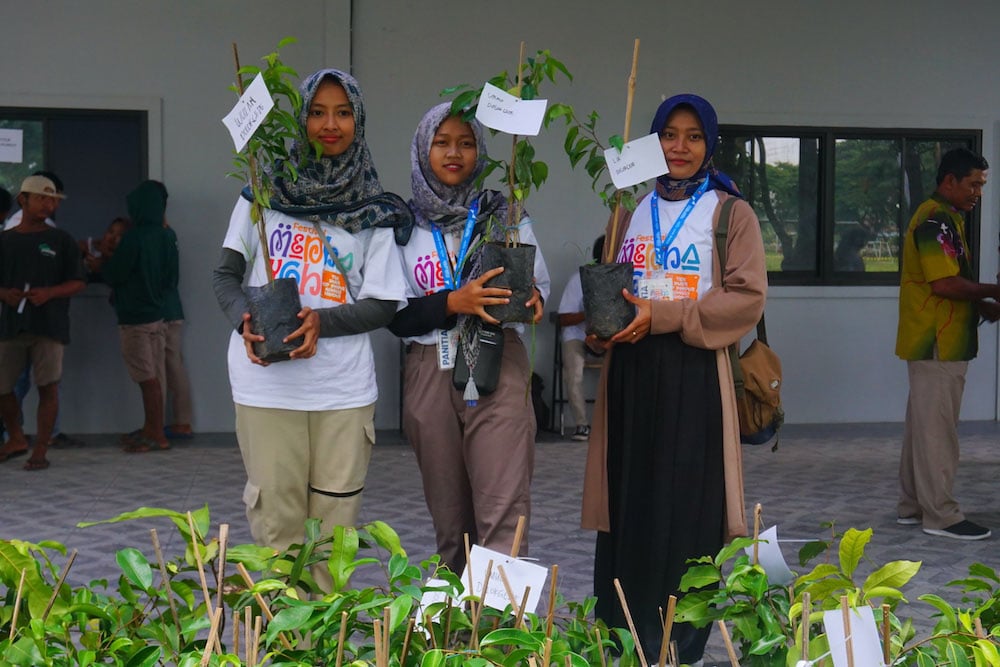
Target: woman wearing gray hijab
{"points": [[476, 456]]}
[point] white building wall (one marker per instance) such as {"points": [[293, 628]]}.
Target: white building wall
{"points": [[781, 62]]}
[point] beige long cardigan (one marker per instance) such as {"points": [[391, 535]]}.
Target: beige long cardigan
{"points": [[719, 318]]}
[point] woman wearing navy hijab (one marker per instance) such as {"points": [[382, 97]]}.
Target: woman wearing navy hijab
{"points": [[664, 472]]}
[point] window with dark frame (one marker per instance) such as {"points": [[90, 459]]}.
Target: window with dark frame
{"points": [[834, 203]]}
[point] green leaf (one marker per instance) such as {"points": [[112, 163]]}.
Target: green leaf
{"points": [[699, 576], [617, 141], [514, 637], [342, 555], [291, 618], [145, 657], [385, 537], [811, 550], [956, 656], [894, 575], [135, 567], [852, 549], [539, 172]]}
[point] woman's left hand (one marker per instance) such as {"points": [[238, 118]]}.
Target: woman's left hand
{"points": [[536, 302], [639, 327], [309, 332]]}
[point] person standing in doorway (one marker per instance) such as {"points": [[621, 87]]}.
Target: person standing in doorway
{"points": [[940, 304]]}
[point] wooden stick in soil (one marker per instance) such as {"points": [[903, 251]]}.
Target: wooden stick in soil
{"points": [[341, 638], [519, 621], [236, 632], [17, 605], [406, 641], [447, 625], [166, 577], [507, 588], [223, 542], [254, 185], [55, 591], [729, 644], [468, 567], [479, 607], [600, 646], [201, 567], [551, 616], [611, 246], [548, 652], [515, 547], [248, 631], [430, 630], [513, 208], [241, 568], [756, 533], [848, 643], [806, 613], [386, 633], [886, 636], [668, 627], [631, 623], [258, 625], [674, 661], [377, 639]]}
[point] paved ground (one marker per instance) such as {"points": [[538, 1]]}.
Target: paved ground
{"points": [[840, 473]]}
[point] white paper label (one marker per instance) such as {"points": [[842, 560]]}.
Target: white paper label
{"points": [[501, 111], [447, 348], [12, 145], [865, 646], [770, 558], [249, 112], [641, 160], [520, 575]]}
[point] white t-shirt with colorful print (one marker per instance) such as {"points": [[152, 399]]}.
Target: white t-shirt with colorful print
{"points": [[342, 374], [688, 270]]}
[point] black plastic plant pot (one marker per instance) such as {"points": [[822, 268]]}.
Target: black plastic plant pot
{"points": [[518, 275], [274, 309], [607, 312]]}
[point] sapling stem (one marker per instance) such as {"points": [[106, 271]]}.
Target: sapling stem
{"points": [[55, 591], [612, 246], [631, 623], [166, 578], [201, 566], [17, 605], [551, 616], [241, 568]]}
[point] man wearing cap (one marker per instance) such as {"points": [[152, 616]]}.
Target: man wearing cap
{"points": [[40, 268]]}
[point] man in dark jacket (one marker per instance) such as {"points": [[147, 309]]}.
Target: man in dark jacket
{"points": [[141, 270]]}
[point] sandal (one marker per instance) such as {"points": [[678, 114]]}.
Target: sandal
{"points": [[5, 456], [33, 464], [141, 444]]}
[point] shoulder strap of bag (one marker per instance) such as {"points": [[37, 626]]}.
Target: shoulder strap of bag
{"points": [[721, 235]]}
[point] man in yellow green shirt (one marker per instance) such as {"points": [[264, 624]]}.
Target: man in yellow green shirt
{"points": [[940, 305]]}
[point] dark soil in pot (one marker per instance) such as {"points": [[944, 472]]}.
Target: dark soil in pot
{"points": [[606, 309], [274, 309], [518, 276]]}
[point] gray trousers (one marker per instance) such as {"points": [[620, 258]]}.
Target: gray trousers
{"points": [[476, 462], [930, 453]]}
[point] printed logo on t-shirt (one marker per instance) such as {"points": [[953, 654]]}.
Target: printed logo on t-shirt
{"points": [[677, 279], [427, 273], [46, 250], [298, 252]]}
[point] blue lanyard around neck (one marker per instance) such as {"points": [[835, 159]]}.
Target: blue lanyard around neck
{"points": [[663, 245], [452, 279]]}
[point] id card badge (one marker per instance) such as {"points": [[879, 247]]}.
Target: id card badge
{"points": [[447, 348], [656, 285]]}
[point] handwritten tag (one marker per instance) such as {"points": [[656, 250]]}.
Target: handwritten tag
{"points": [[770, 558], [12, 145], [249, 112], [520, 574], [641, 160], [865, 646], [501, 111]]}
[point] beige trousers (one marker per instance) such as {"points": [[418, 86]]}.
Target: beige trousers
{"points": [[930, 453]]}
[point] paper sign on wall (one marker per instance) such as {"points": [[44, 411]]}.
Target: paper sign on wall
{"points": [[520, 574], [641, 160], [12, 146], [501, 111], [249, 112], [770, 558], [865, 646]]}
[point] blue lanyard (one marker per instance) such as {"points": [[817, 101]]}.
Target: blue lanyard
{"points": [[452, 280], [663, 245]]}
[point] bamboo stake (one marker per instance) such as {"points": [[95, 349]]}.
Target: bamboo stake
{"points": [[254, 184], [447, 625], [430, 630], [509, 590], [550, 618], [468, 569], [213, 638], [515, 548], [729, 644], [379, 642], [201, 567], [674, 662], [886, 633], [631, 623], [668, 626], [756, 533], [600, 646], [386, 633], [166, 577], [519, 621], [17, 605], [848, 644], [341, 638], [611, 246], [406, 641], [223, 542], [806, 612], [236, 633], [258, 624], [514, 208], [479, 607], [241, 568], [55, 591], [548, 652], [248, 631]]}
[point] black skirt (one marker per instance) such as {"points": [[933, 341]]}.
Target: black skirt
{"points": [[666, 485]]}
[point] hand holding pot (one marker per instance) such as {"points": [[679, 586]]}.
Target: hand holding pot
{"points": [[249, 338], [309, 332], [536, 302], [472, 297], [640, 326]]}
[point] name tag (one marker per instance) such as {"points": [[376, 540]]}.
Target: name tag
{"points": [[662, 286], [447, 348]]}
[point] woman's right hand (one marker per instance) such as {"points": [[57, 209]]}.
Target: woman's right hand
{"points": [[472, 297], [249, 338]]}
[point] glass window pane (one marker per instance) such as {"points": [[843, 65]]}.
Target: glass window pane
{"points": [[33, 153], [779, 176], [866, 204]]}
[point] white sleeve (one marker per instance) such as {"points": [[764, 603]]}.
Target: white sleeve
{"points": [[383, 270]]}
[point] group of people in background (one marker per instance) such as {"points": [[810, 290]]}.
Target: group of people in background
{"points": [[42, 266]]}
